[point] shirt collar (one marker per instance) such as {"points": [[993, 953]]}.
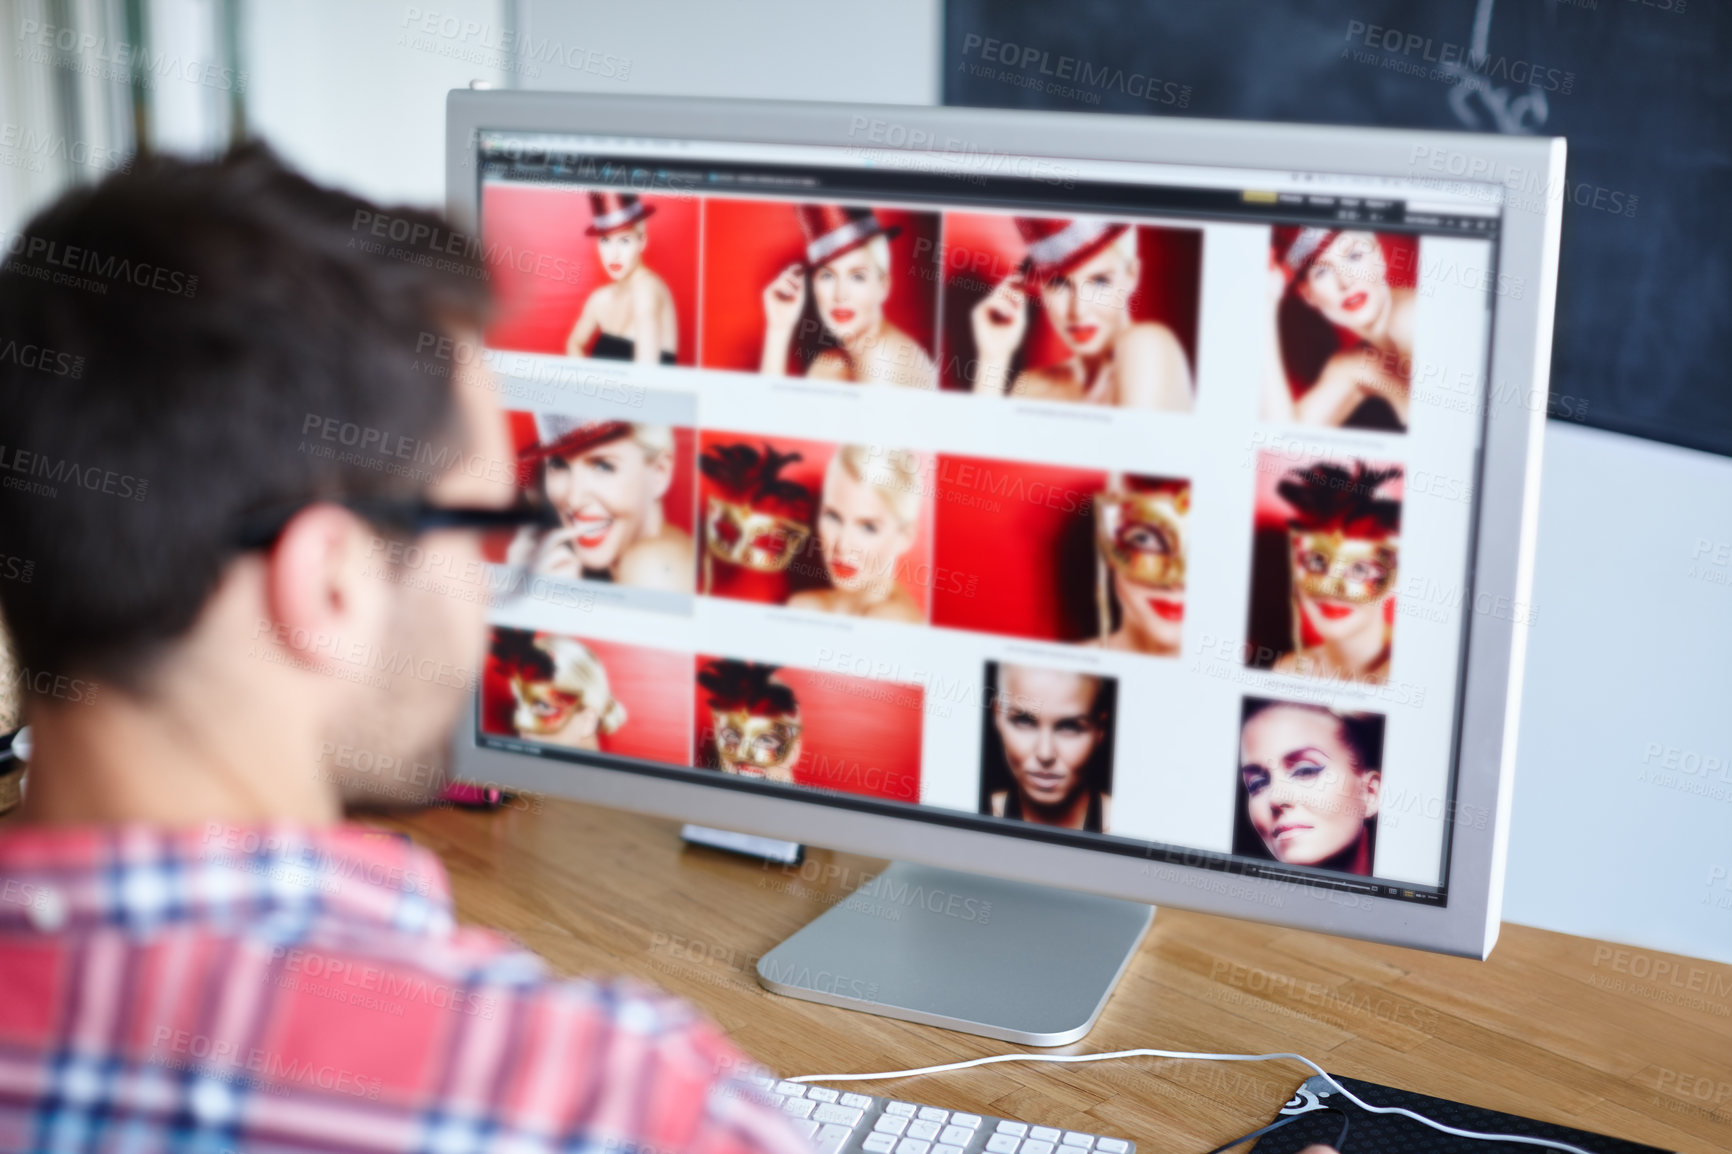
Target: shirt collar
{"points": [[283, 876]]}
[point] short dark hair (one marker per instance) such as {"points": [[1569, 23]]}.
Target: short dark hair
{"points": [[173, 343]]}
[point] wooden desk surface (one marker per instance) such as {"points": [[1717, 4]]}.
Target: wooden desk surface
{"points": [[1623, 1041]]}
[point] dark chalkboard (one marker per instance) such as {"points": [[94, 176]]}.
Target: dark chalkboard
{"points": [[1641, 88]]}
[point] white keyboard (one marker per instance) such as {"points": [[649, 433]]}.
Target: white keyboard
{"points": [[843, 1123]]}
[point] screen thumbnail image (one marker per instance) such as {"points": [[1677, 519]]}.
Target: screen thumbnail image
{"points": [[1324, 556], [1060, 553], [1078, 309], [1309, 785], [605, 274], [824, 291], [623, 492], [815, 525], [585, 694], [1341, 315], [1047, 746], [809, 728]]}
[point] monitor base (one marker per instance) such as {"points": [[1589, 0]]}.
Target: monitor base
{"points": [[1002, 959]]}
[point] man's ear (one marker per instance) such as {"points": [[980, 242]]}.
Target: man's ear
{"points": [[316, 585]]}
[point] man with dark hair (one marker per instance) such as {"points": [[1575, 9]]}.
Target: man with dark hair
{"points": [[221, 446]]}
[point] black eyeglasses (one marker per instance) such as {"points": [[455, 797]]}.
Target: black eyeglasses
{"points": [[411, 517]]}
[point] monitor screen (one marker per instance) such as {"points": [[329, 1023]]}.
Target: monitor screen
{"points": [[1124, 505]]}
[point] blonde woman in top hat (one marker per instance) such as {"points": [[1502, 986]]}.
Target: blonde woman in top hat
{"points": [[848, 265], [631, 318], [868, 517], [1343, 278], [1086, 271], [608, 480]]}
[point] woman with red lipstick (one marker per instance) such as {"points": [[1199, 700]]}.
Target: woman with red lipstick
{"points": [[1310, 782], [848, 267], [607, 480], [1140, 564], [1049, 738], [632, 317], [1341, 333], [868, 517], [1343, 544], [560, 688], [1086, 272]]}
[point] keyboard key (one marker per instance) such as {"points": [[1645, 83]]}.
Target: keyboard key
{"points": [[805, 1127], [762, 1081], [900, 1109], [791, 1089], [947, 1150], [923, 1130], [972, 1121], [858, 1101], [798, 1107], [956, 1135], [1002, 1143], [1044, 1133], [838, 1115], [833, 1138], [934, 1114], [890, 1124], [878, 1143], [822, 1093], [1036, 1146], [1112, 1145], [1018, 1129], [1080, 1141], [774, 1101], [913, 1146]]}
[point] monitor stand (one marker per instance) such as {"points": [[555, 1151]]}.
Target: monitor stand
{"points": [[1003, 959]]}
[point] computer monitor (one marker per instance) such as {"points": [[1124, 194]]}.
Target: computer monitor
{"points": [[1134, 510]]}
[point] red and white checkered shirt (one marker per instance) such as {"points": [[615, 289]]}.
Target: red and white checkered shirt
{"points": [[284, 989]]}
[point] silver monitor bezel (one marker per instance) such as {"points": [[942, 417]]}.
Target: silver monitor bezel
{"points": [[1506, 520]]}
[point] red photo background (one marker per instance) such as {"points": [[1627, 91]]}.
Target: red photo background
{"points": [[980, 250], [677, 505], [1307, 340], [1016, 548], [747, 244], [657, 726], [1270, 631], [913, 571], [544, 266], [857, 735]]}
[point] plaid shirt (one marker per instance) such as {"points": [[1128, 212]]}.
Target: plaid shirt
{"points": [[283, 989]]}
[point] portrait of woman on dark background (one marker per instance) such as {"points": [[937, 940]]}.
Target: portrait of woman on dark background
{"points": [[1310, 782], [1341, 328], [1047, 750]]}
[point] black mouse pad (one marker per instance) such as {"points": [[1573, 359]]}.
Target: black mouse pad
{"points": [[1319, 1115]]}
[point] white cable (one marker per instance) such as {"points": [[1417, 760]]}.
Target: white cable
{"points": [[1327, 1076]]}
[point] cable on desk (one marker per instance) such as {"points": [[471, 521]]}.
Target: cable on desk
{"points": [[1145, 1053]]}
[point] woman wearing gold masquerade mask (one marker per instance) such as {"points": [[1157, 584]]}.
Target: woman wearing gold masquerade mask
{"points": [[1343, 541], [1140, 538], [754, 728], [561, 689]]}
